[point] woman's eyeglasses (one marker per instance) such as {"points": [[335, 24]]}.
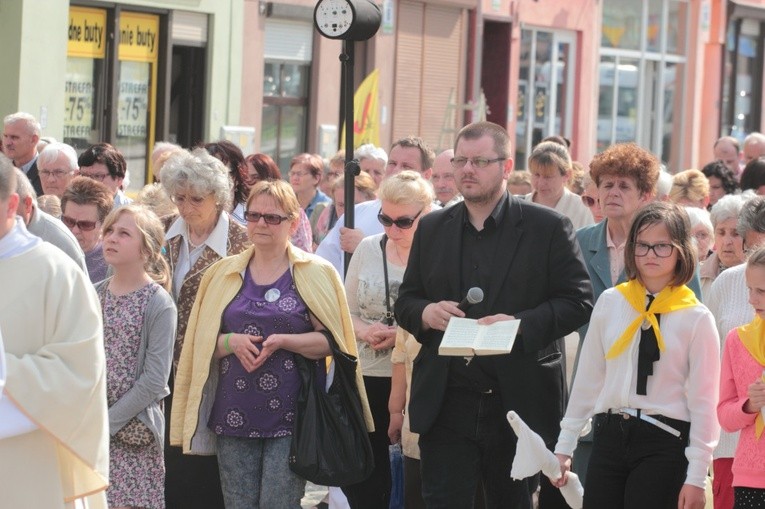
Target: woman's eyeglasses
{"points": [[402, 222], [588, 201], [272, 219], [85, 226], [660, 250]]}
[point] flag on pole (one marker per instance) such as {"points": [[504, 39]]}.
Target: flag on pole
{"points": [[366, 114]]}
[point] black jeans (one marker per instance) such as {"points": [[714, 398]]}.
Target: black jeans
{"points": [[635, 464], [471, 440]]}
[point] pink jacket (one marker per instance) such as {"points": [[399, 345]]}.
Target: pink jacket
{"points": [[739, 370]]}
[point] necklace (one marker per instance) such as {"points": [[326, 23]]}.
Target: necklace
{"points": [[401, 259]]}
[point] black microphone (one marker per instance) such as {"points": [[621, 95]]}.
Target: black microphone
{"points": [[474, 296]]}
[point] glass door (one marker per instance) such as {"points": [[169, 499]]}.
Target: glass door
{"points": [[545, 89]]}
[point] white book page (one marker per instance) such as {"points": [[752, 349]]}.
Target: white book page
{"points": [[461, 332], [499, 335]]}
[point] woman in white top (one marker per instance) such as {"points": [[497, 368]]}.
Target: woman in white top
{"points": [[647, 377], [405, 198]]}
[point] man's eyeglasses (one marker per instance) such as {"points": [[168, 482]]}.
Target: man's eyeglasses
{"points": [[477, 162], [54, 174], [272, 219], [85, 226], [588, 201], [660, 250], [402, 222], [299, 174], [95, 176]]}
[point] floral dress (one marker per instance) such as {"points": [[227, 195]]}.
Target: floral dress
{"points": [[136, 474]]}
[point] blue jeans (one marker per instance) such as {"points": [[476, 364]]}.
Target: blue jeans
{"points": [[470, 441], [255, 473]]}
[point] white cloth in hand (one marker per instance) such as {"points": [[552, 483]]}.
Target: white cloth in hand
{"points": [[531, 456]]}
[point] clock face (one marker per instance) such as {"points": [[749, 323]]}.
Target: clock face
{"points": [[333, 17]]}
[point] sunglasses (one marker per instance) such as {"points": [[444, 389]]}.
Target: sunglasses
{"points": [[85, 226], [272, 219], [402, 222], [588, 201]]}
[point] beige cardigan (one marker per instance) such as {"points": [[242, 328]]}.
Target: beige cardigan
{"points": [[320, 287]]}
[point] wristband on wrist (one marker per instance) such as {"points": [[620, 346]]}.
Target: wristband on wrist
{"points": [[225, 343]]}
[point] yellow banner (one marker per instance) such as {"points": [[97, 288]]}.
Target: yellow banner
{"points": [[138, 37], [366, 115], [87, 32]]}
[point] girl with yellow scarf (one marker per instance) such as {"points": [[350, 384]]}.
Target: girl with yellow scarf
{"points": [[742, 392], [646, 377]]}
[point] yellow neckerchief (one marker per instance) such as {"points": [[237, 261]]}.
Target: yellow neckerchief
{"points": [[668, 300], [753, 338]]}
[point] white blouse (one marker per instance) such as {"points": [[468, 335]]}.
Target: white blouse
{"points": [[684, 384]]}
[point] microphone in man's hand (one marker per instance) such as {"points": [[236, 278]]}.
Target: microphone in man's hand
{"points": [[474, 296]]}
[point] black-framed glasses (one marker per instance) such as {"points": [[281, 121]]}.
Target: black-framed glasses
{"points": [[85, 226], [660, 250], [272, 219], [402, 222], [477, 162]]}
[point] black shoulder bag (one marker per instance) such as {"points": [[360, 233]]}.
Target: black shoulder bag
{"points": [[330, 441]]}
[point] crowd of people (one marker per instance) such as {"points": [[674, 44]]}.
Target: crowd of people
{"points": [[152, 339]]}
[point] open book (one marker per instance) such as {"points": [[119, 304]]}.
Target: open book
{"points": [[464, 337]]}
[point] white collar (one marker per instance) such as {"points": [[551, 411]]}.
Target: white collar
{"points": [[217, 240], [17, 241]]}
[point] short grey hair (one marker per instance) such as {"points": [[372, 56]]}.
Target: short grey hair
{"points": [[369, 151], [698, 217], [727, 207], [24, 187], [29, 120], [200, 172], [755, 138], [752, 216], [51, 152]]}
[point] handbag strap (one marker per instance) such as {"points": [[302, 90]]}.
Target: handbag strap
{"points": [[388, 317]]}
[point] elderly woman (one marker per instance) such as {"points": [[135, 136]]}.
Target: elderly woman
{"points": [[690, 188], [590, 197], [721, 181], [372, 283], [372, 160], [702, 231], [262, 167], [201, 234], [237, 384], [84, 206], [551, 168], [728, 244], [304, 175]]}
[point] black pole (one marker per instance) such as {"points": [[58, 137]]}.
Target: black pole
{"points": [[351, 164]]}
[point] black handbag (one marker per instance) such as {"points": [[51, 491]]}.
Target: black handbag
{"points": [[330, 441]]}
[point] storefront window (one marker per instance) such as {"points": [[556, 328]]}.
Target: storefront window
{"points": [[84, 92], [645, 81], [285, 110], [621, 24], [742, 79]]}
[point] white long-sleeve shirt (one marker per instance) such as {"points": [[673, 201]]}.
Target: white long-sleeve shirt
{"points": [[684, 384]]}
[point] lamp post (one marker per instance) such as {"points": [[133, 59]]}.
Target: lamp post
{"points": [[350, 21]]}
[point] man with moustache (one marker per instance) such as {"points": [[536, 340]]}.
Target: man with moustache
{"points": [[539, 277], [21, 132], [443, 181]]}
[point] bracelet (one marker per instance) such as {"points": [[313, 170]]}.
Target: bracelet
{"points": [[225, 344]]}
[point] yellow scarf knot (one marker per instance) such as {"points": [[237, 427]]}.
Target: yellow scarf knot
{"points": [[668, 300], [752, 336]]}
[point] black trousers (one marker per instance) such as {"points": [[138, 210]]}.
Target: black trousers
{"points": [[635, 464], [374, 492], [748, 498], [470, 442]]}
